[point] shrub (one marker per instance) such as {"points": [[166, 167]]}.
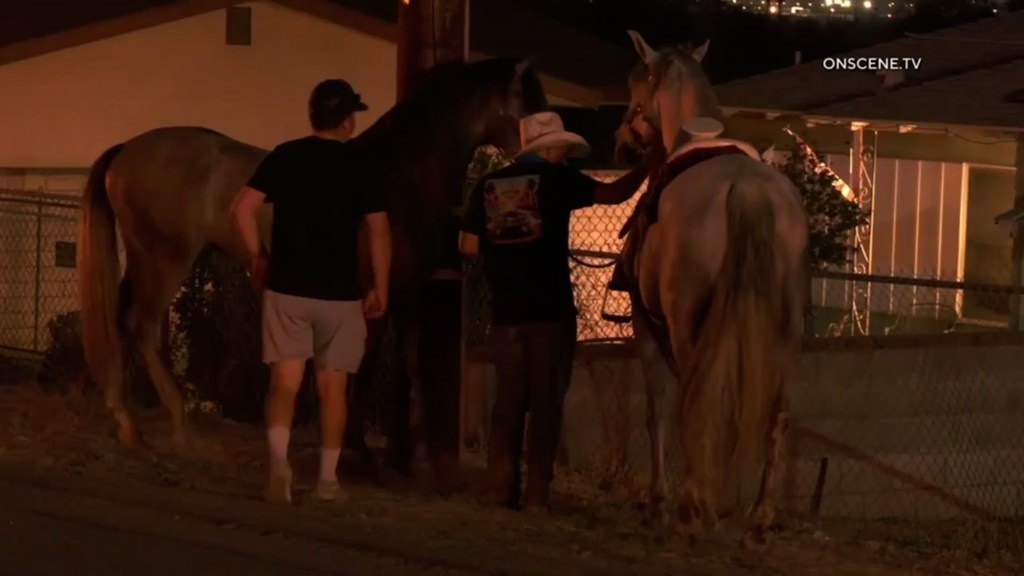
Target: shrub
{"points": [[833, 217], [63, 368], [64, 359], [217, 322]]}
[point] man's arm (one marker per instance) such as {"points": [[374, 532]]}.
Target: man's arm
{"points": [[265, 184], [243, 217], [624, 188], [379, 230]]}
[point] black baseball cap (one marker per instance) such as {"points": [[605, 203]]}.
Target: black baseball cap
{"points": [[339, 91]]}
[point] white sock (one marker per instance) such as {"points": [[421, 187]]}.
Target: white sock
{"points": [[329, 464], [277, 440]]}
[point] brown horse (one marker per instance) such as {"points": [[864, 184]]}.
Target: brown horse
{"points": [[171, 190], [718, 297]]}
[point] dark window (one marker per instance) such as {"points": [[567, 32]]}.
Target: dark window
{"points": [[239, 26], [65, 254]]}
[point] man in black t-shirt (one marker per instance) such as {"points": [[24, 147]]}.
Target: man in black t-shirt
{"points": [[517, 219], [313, 305]]}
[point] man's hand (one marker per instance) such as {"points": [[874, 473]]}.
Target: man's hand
{"points": [[258, 266], [375, 304]]}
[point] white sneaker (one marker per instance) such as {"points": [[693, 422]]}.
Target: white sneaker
{"points": [[329, 491]]}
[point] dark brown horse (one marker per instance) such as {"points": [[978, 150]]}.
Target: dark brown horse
{"points": [[171, 190]]}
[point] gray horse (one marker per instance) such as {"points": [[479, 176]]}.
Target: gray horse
{"points": [[718, 291]]}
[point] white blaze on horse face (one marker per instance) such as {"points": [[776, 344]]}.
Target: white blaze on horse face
{"points": [[647, 54], [701, 51], [514, 105]]}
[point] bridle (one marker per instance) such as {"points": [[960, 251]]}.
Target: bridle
{"points": [[653, 82], [656, 74]]}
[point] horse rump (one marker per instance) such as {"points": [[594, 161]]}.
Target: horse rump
{"points": [[734, 377]]}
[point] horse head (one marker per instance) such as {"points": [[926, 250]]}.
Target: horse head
{"points": [[457, 107], [505, 101], [668, 88]]}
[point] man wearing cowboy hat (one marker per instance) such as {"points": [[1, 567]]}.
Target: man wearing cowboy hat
{"points": [[517, 218]]}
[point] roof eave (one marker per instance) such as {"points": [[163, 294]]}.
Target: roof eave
{"points": [[334, 13], [108, 28]]}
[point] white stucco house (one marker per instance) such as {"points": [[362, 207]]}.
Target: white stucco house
{"points": [[244, 69], [77, 77]]}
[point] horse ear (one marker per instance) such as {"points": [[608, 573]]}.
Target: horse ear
{"points": [[701, 51], [646, 53], [522, 66]]}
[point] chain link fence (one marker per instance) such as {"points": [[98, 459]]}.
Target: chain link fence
{"points": [[909, 407], [38, 281], [907, 419], [845, 304]]}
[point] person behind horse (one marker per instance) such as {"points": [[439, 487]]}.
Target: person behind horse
{"points": [[313, 304], [517, 218]]}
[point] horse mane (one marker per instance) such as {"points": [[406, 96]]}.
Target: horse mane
{"points": [[446, 93]]}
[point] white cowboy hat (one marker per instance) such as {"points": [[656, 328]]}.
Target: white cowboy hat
{"points": [[545, 130]]}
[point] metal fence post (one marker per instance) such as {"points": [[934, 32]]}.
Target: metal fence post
{"points": [[39, 276]]}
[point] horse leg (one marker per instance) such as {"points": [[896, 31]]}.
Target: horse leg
{"points": [[661, 387], [359, 399], [154, 282], [115, 381], [401, 441], [694, 498], [763, 511], [439, 376]]}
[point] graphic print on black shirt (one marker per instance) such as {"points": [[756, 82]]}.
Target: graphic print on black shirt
{"points": [[512, 210], [521, 215]]}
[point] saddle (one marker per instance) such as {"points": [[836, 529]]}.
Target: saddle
{"points": [[624, 275]]}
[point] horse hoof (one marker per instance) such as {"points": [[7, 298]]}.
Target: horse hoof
{"points": [[181, 441], [129, 437], [755, 540], [655, 514], [686, 537]]}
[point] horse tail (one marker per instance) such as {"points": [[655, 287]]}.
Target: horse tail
{"points": [[736, 375], [98, 272]]}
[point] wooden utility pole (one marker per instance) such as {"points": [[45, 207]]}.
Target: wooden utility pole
{"points": [[1017, 301], [433, 32], [430, 32]]}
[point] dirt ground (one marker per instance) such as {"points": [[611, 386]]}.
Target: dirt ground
{"points": [[59, 465]]}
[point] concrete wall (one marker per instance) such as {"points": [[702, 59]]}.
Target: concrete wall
{"points": [[64, 108], [952, 417]]}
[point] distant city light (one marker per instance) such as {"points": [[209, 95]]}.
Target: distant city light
{"points": [[846, 9]]}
